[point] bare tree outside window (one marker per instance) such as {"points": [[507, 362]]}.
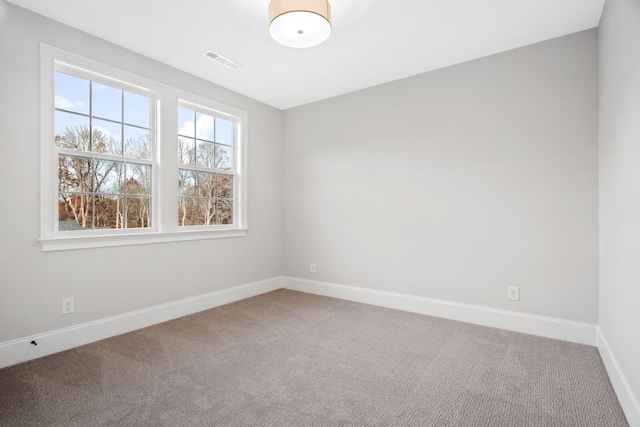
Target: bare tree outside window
{"points": [[205, 180], [102, 136], [94, 193]]}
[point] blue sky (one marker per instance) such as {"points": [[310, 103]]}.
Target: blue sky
{"points": [[73, 94], [204, 126]]}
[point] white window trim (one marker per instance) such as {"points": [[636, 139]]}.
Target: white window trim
{"points": [[203, 109], [165, 185]]}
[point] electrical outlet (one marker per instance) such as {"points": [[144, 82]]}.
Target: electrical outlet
{"points": [[312, 267], [67, 305], [513, 293]]}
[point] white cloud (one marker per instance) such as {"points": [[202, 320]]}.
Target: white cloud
{"points": [[204, 126], [187, 128], [64, 103], [104, 131]]}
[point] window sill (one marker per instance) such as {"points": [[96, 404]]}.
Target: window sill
{"points": [[103, 241]]}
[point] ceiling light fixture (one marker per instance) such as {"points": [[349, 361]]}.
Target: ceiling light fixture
{"points": [[300, 23]]}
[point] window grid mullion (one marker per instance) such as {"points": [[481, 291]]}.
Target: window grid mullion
{"points": [[122, 122], [139, 196], [92, 174], [90, 115], [206, 169], [215, 200], [95, 157], [102, 156]]}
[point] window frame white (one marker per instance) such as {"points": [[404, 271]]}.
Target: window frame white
{"points": [[236, 128], [153, 161], [164, 226]]}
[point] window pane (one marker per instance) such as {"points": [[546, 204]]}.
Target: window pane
{"points": [[187, 151], [72, 131], [109, 211], [186, 183], [204, 127], [138, 212], [136, 109], [74, 174], [108, 177], [106, 102], [75, 211], [187, 212], [138, 179], [224, 157], [66, 219], [224, 131], [186, 122], [206, 154], [99, 188], [106, 137], [225, 186], [72, 93], [206, 211], [137, 143], [206, 184], [225, 212]]}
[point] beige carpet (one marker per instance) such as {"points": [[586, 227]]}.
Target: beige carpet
{"points": [[293, 359]]}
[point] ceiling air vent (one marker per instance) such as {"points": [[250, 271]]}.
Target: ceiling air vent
{"points": [[221, 59]]}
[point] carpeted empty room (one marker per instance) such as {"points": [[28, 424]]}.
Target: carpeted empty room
{"points": [[287, 358], [320, 213]]}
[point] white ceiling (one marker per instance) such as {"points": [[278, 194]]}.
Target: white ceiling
{"points": [[373, 41]]}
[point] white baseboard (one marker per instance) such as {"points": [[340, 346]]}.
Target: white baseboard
{"points": [[21, 350], [567, 330], [628, 399]]}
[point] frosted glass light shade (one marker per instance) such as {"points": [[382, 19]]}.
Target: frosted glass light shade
{"points": [[300, 23]]}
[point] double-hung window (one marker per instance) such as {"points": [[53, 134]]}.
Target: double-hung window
{"points": [[103, 143], [206, 167], [127, 160]]}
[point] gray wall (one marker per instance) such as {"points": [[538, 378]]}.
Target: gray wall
{"points": [[456, 183], [619, 49], [107, 282], [452, 184]]}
